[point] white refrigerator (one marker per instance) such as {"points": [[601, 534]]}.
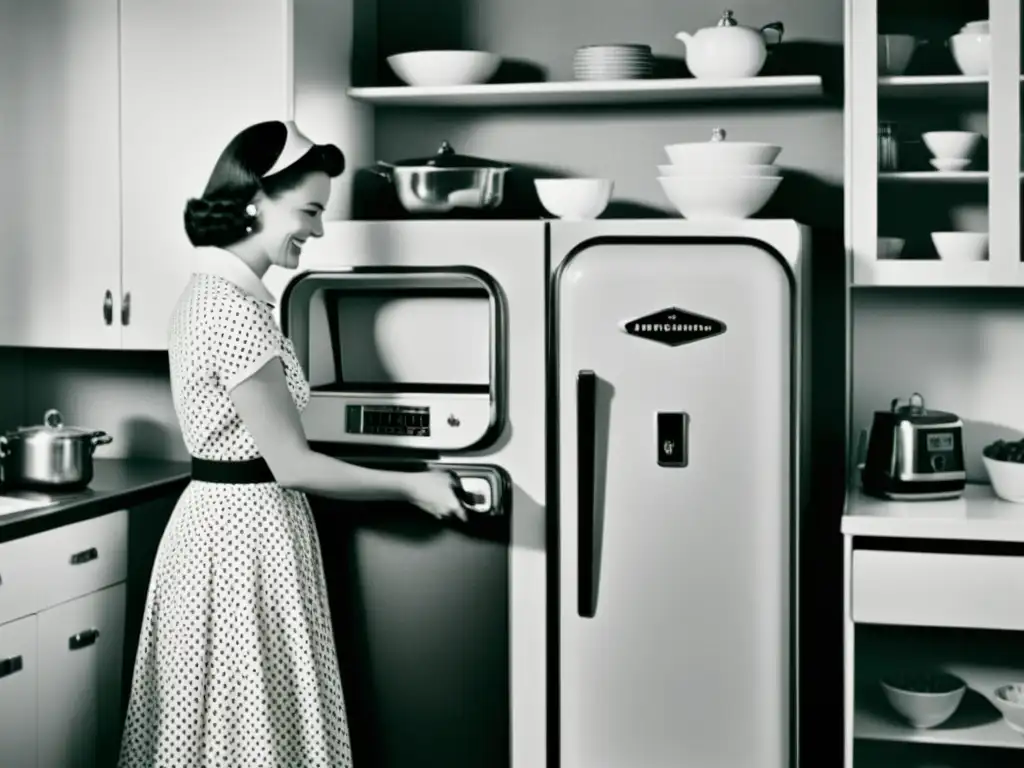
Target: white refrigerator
{"points": [[677, 375]]}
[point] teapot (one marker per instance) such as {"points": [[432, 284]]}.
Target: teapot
{"points": [[728, 50]]}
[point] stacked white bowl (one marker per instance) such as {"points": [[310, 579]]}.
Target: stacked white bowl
{"points": [[621, 61], [719, 179], [951, 150], [972, 48]]}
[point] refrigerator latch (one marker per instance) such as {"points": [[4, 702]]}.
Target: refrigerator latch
{"points": [[673, 439]]}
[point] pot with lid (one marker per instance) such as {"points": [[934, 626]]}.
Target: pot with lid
{"points": [[728, 49], [50, 455], [445, 181]]}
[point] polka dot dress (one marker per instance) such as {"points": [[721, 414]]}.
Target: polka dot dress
{"points": [[236, 663]]}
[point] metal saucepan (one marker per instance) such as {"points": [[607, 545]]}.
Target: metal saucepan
{"points": [[445, 181], [50, 455]]}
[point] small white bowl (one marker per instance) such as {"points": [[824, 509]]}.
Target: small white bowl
{"points": [[961, 247], [890, 247], [949, 163], [916, 699], [715, 198], [574, 199], [957, 145], [767, 171], [1009, 699], [1007, 478], [441, 68], [972, 52]]}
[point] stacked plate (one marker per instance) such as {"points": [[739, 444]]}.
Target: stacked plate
{"points": [[613, 62]]}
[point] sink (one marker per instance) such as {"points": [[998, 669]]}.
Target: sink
{"points": [[10, 504]]}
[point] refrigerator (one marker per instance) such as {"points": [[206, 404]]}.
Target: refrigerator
{"points": [[676, 367]]}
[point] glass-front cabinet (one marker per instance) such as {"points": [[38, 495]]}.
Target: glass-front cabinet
{"points": [[933, 139]]}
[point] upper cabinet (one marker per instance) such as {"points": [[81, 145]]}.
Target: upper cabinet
{"points": [[121, 109], [933, 143], [60, 268]]}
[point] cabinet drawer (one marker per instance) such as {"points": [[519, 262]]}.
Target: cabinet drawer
{"points": [[39, 571], [938, 590]]}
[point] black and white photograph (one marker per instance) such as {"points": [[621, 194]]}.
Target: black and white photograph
{"points": [[511, 384]]}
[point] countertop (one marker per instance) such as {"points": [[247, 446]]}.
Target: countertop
{"points": [[116, 484]]}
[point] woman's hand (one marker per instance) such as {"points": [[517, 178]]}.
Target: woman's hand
{"points": [[439, 494]]}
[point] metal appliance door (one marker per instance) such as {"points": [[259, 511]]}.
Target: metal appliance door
{"points": [[421, 620], [674, 506]]}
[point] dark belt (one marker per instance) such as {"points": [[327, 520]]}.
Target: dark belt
{"points": [[237, 472]]}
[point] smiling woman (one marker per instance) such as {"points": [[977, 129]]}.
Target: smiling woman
{"points": [[236, 662]]}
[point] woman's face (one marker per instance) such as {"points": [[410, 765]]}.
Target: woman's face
{"points": [[289, 219]]}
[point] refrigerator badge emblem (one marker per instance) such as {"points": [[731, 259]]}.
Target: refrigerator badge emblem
{"points": [[674, 327]]}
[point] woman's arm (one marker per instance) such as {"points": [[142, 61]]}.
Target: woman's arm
{"points": [[270, 415]]}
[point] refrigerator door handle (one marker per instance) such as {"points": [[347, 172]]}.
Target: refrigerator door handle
{"points": [[586, 459]]}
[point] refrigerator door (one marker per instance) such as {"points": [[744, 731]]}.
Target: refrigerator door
{"points": [[674, 375]]}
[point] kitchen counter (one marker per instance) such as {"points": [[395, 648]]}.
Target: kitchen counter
{"points": [[116, 484]]}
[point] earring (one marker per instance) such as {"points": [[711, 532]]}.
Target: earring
{"points": [[250, 209]]}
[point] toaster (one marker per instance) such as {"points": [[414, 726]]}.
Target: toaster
{"points": [[914, 453]]}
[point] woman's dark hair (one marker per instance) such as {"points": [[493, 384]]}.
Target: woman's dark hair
{"points": [[219, 217]]}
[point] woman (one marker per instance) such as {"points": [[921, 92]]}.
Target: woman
{"points": [[236, 663]]}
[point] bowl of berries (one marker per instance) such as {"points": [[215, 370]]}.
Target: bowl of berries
{"points": [[1004, 462]]}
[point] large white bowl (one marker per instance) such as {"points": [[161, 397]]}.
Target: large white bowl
{"points": [[951, 145], [718, 197], [972, 52], [925, 701], [1009, 699], [961, 246], [1007, 478], [440, 68], [703, 169], [708, 154], [574, 199]]}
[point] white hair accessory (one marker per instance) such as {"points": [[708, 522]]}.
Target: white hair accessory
{"points": [[296, 144]]}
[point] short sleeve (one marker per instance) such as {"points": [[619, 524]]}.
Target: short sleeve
{"points": [[244, 338]]}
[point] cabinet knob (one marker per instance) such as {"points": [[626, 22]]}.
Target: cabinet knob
{"points": [[126, 308], [10, 666], [83, 639], [108, 307]]}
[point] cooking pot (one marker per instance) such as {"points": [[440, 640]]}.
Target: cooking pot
{"points": [[728, 50], [50, 455], [445, 181]]}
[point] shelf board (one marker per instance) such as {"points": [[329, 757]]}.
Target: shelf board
{"points": [[977, 516], [931, 273], [932, 86], [985, 728], [571, 93], [945, 177]]}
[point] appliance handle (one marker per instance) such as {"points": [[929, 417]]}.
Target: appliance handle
{"points": [[586, 459]]}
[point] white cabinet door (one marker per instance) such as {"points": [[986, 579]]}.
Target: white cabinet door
{"points": [[193, 74], [59, 202], [18, 669], [80, 655]]}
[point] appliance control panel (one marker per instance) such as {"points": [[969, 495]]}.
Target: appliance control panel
{"points": [[410, 421]]}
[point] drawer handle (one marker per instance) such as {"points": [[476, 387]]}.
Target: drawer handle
{"points": [[83, 639], [84, 556], [10, 666]]}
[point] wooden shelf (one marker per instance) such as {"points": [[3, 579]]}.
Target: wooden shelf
{"points": [[945, 177], [977, 516], [976, 723], [572, 93]]}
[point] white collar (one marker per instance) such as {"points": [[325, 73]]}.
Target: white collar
{"points": [[224, 264]]}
